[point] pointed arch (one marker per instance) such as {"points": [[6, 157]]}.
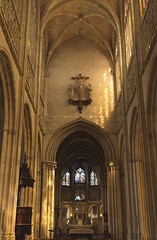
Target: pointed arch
{"points": [[136, 173], [26, 149], [7, 139], [152, 100], [51, 8], [133, 132], [28, 129], [7, 99], [85, 126], [151, 142], [38, 186], [8, 88]]}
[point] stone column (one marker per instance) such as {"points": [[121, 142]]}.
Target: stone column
{"points": [[150, 166], [48, 188], [103, 187], [137, 204], [114, 207], [110, 198], [118, 209], [59, 213], [8, 197]]}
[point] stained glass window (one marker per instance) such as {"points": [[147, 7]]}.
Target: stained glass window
{"points": [[93, 178], [128, 32], [79, 196], [79, 176], [66, 179]]}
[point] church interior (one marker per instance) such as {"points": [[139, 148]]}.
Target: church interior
{"points": [[78, 119]]}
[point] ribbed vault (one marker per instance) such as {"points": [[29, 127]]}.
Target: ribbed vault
{"points": [[80, 140], [80, 147], [68, 20]]}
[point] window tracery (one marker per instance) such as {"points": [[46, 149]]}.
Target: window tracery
{"points": [[93, 178], [79, 175], [66, 179]]}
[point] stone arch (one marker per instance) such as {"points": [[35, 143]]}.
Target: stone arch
{"points": [[7, 85], [151, 116], [136, 175], [132, 170], [50, 181], [85, 126], [151, 141], [1, 115], [69, 208], [37, 186], [7, 136], [121, 156], [7, 113], [121, 146], [39, 145], [27, 144], [109, 12], [152, 100], [91, 208], [123, 184], [133, 132], [28, 129]]}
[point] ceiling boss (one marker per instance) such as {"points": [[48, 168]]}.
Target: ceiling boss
{"points": [[80, 95]]}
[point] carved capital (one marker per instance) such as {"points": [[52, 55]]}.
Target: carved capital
{"points": [[11, 26], [52, 165], [8, 131], [150, 135], [133, 160]]}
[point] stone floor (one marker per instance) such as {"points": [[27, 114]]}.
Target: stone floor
{"points": [[94, 237]]}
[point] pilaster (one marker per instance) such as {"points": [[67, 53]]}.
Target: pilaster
{"points": [[48, 187]]}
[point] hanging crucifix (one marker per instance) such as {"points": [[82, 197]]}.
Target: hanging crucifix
{"points": [[82, 94]]}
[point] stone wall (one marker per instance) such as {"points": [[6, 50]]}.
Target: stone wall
{"points": [[84, 58]]}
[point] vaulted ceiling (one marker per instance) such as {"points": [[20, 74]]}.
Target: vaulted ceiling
{"points": [[96, 21], [80, 147]]}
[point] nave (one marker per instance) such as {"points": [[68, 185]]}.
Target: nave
{"points": [[78, 119]]}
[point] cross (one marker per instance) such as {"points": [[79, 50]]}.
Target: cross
{"points": [[79, 101]]}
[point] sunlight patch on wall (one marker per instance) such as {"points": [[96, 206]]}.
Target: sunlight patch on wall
{"points": [[106, 96], [98, 71]]}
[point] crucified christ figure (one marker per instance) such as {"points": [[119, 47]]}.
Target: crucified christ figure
{"points": [[80, 79]]}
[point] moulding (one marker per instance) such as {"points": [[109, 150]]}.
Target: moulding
{"points": [[84, 125], [8, 131], [9, 41], [30, 97]]}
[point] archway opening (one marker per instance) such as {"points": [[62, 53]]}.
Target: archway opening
{"points": [[80, 182], [1, 113]]}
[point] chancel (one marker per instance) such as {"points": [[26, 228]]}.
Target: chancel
{"points": [[78, 119]]}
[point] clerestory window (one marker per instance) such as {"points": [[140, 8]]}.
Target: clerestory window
{"points": [[79, 175], [66, 179], [93, 178]]}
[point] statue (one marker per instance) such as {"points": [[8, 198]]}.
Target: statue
{"points": [[81, 93], [105, 222], [89, 89], [71, 91]]}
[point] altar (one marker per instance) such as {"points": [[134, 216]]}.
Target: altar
{"points": [[80, 231]]}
